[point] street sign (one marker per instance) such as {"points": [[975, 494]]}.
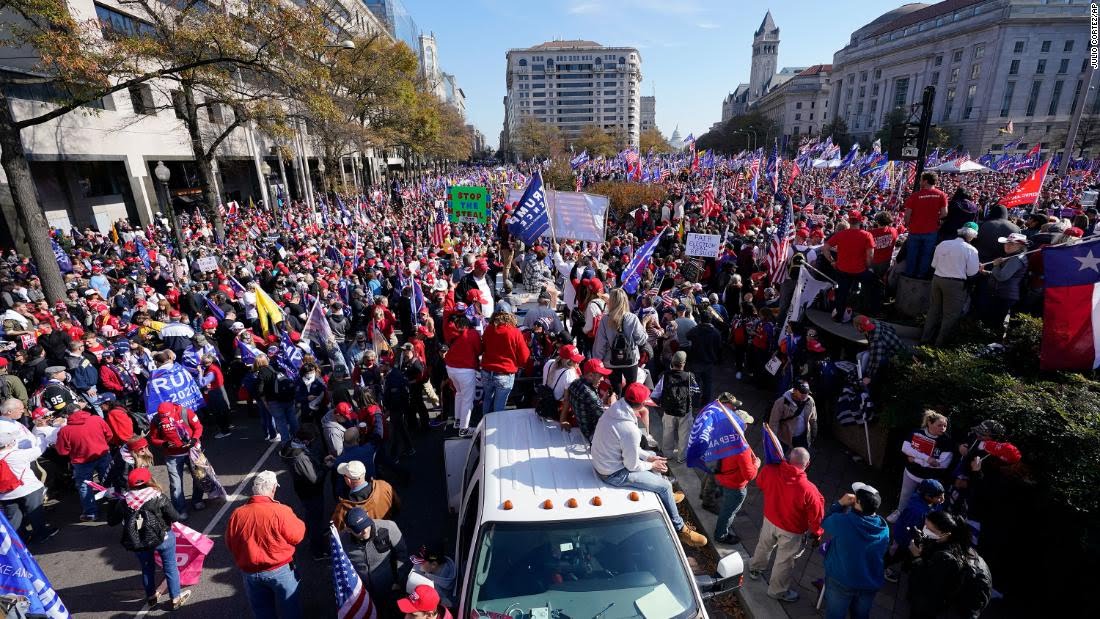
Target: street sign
{"points": [[469, 205], [705, 245]]}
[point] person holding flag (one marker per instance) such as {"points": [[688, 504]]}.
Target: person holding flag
{"points": [[793, 507], [733, 472]]}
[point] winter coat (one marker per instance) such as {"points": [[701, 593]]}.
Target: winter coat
{"points": [[784, 419], [84, 438], [858, 546], [306, 470], [631, 328], [164, 430], [791, 501], [380, 560]]}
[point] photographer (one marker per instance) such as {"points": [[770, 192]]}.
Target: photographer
{"points": [[853, 563], [946, 573]]}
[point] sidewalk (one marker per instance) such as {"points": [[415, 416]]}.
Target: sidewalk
{"points": [[832, 469]]}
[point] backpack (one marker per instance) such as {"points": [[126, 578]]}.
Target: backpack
{"points": [[623, 352], [976, 588], [143, 530], [395, 389], [140, 421], [8, 479], [284, 385], [676, 394], [546, 405], [597, 319]]}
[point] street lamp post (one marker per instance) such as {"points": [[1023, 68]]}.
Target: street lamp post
{"points": [[163, 174], [265, 176], [321, 171]]}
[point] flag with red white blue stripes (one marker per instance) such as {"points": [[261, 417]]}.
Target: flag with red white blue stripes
{"points": [[441, 229], [775, 261], [352, 599]]}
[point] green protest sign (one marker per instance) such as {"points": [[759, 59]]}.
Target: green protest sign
{"points": [[469, 205]]}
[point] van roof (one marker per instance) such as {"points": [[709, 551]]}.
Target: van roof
{"points": [[527, 459]]}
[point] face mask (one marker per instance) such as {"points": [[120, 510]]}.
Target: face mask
{"points": [[930, 534], [309, 377]]}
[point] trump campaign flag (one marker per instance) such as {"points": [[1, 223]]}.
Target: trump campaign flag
{"points": [[717, 433], [352, 599], [21, 575], [172, 383], [63, 261], [1027, 192], [1071, 307], [773, 449], [632, 274], [531, 218]]}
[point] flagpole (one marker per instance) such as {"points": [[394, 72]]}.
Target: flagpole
{"points": [[1075, 241]]}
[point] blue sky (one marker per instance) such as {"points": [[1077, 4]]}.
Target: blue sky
{"points": [[693, 51]]}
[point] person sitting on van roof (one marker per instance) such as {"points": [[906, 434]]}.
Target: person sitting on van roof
{"points": [[620, 461], [584, 397]]}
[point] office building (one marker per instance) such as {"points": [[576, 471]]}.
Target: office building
{"points": [[572, 84], [799, 103], [649, 113]]}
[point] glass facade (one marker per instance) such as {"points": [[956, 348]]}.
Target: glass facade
{"points": [[397, 19]]}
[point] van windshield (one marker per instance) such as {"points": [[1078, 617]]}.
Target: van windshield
{"points": [[610, 568]]}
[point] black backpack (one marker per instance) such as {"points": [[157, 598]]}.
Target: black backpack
{"points": [[623, 352], [676, 393], [976, 588], [140, 421], [284, 387], [395, 389], [143, 529]]}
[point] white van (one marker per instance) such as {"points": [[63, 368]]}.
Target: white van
{"points": [[540, 536]]}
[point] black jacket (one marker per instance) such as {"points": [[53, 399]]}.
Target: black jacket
{"points": [[934, 579], [306, 470]]}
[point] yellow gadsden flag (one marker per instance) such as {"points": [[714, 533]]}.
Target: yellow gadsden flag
{"points": [[268, 311]]}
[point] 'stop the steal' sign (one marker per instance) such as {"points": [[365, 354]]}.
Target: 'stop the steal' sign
{"points": [[705, 245], [469, 205]]}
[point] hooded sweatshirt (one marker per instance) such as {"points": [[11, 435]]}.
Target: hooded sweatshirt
{"points": [[616, 443], [859, 543], [791, 501], [444, 581], [84, 438]]}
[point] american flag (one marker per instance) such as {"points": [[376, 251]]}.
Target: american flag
{"points": [[776, 260], [441, 227], [710, 205], [351, 595]]}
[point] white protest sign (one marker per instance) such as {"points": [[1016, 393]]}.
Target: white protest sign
{"points": [[207, 263], [705, 245]]}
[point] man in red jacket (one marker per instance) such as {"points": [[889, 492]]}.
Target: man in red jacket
{"points": [[733, 476], [84, 440], [793, 506], [505, 353], [262, 536], [176, 430]]}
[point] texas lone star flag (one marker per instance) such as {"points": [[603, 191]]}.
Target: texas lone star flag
{"points": [[1071, 309]]}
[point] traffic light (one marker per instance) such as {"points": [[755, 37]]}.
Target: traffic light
{"points": [[904, 142]]}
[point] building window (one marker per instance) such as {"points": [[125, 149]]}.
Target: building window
{"points": [[1063, 66], [1076, 97], [874, 105], [975, 71], [1055, 95], [1018, 48], [863, 76], [523, 62], [1014, 67], [862, 91], [901, 91], [1068, 46], [878, 74], [948, 103], [970, 92], [957, 56], [798, 105], [141, 98], [214, 113], [179, 105], [811, 115], [996, 146], [1045, 47], [1006, 102], [874, 90], [1041, 67], [116, 23], [954, 76], [939, 61], [979, 51], [795, 130], [798, 116], [1033, 98]]}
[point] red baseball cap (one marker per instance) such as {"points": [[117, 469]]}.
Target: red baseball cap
{"points": [[139, 477], [595, 365], [569, 351], [637, 394], [344, 410], [423, 599], [210, 323], [855, 215], [595, 285]]}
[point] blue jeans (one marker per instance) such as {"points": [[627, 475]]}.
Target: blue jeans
{"points": [[30, 506], [273, 593], [918, 254], [167, 552], [266, 422], [840, 600], [732, 498], [495, 391], [285, 418], [648, 480], [176, 466], [83, 472]]}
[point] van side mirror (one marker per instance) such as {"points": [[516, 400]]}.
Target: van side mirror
{"points": [[729, 578]]}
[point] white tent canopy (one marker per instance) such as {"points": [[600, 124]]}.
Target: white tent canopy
{"points": [[966, 166], [826, 163]]}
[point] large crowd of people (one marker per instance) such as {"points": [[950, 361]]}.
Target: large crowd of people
{"points": [[426, 328]]}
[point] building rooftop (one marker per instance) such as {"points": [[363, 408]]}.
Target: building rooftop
{"points": [[567, 44], [816, 69], [915, 12], [768, 25]]}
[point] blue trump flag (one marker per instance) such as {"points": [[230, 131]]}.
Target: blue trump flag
{"points": [[773, 449], [63, 261], [172, 384], [290, 357], [214, 309], [531, 218], [632, 274], [21, 575], [718, 432], [142, 252], [248, 352]]}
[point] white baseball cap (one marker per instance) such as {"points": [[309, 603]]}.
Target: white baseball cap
{"points": [[856, 487], [352, 470]]}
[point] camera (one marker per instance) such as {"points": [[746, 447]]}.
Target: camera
{"points": [[917, 536]]}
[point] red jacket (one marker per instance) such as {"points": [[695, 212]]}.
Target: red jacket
{"points": [[110, 380], [219, 379], [464, 350], [791, 501], [262, 535], [736, 471], [505, 349], [122, 427], [84, 438], [163, 430]]}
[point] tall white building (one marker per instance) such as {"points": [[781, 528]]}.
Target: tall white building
{"points": [[991, 61], [571, 84]]}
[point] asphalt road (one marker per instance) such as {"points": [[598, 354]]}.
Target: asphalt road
{"points": [[97, 578]]}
